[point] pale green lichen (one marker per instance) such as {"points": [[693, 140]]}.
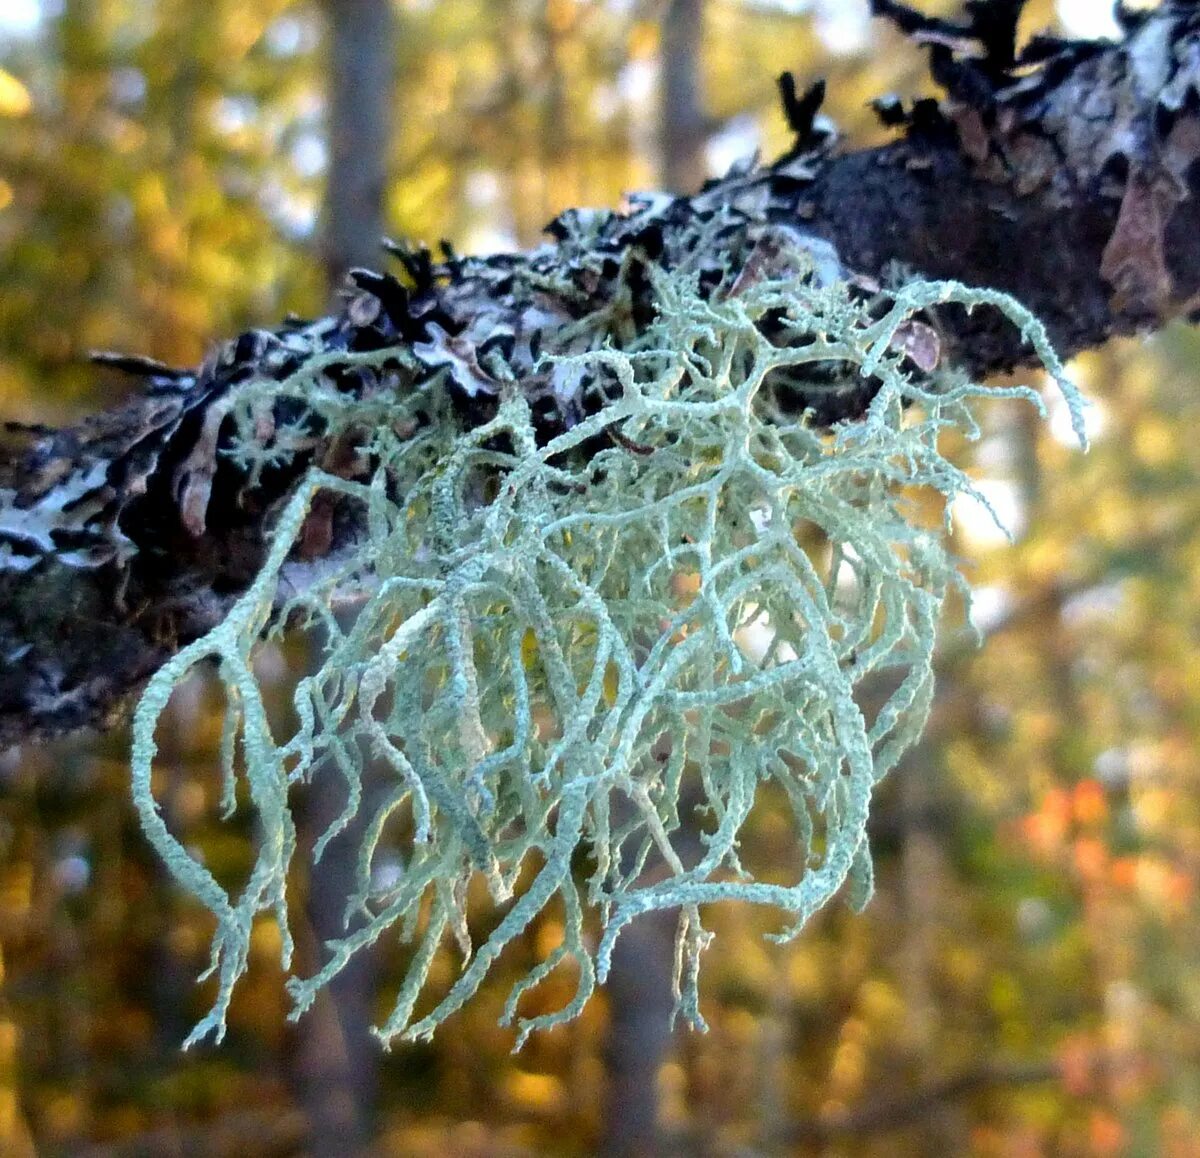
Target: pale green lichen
{"points": [[575, 648]]}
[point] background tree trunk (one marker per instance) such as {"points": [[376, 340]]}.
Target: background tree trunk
{"points": [[639, 985], [682, 119], [362, 94], [334, 1061]]}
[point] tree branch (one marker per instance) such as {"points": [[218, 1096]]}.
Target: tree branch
{"points": [[1067, 176], [896, 1113]]}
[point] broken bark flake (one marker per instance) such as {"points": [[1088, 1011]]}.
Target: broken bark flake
{"points": [[920, 343], [459, 355], [972, 132], [1134, 262], [194, 478]]}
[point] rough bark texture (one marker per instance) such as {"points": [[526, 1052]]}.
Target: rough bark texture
{"points": [[1068, 177]]}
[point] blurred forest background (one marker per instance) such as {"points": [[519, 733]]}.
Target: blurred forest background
{"points": [[1027, 980]]}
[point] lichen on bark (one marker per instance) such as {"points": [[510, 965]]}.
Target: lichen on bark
{"points": [[571, 486], [570, 640]]}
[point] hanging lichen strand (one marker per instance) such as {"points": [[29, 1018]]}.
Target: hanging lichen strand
{"points": [[568, 647]]}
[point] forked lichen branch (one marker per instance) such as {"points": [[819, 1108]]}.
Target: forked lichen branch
{"points": [[567, 648]]}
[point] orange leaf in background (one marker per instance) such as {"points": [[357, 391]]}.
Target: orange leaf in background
{"points": [[1180, 888], [1043, 832], [1046, 829], [1076, 1056], [1091, 858], [1090, 802], [1123, 872], [1106, 1135], [1057, 803], [1017, 1141]]}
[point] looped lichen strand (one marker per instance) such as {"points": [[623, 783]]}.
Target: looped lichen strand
{"points": [[584, 645]]}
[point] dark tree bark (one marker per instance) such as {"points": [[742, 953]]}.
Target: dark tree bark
{"points": [[1069, 178]]}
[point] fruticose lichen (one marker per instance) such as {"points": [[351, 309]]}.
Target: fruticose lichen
{"points": [[568, 647]]}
